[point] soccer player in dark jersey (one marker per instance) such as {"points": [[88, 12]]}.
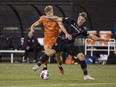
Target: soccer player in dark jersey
{"points": [[75, 29]]}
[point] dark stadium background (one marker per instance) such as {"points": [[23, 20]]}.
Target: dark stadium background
{"points": [[16, 16]]}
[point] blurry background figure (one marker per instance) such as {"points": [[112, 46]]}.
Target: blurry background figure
{"points": [[20, 46], [22, 42], [31, 44]]}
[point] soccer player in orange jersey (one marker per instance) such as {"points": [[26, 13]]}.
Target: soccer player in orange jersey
{"points": [[51, 32]]}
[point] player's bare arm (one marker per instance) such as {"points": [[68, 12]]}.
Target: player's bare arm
{"points": [[54, 18], [64, 30], [97, 38], [34, 25]]}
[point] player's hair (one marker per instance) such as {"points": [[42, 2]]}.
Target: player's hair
{"points": [[48, 9], [83, 14]]}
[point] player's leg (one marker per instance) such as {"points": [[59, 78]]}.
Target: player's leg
{"points": [[82, 62], [45, 65], [59, 62], [43, 59], [83, 65], [47, 49], [73, 50]]}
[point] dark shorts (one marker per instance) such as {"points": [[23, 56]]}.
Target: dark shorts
{"points": [[69, 48]]}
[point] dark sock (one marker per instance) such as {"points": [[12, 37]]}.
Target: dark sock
{"points": [[43, 59], [60, 67], [45, 68], [85, 72], [39, 64], [84, 67]]}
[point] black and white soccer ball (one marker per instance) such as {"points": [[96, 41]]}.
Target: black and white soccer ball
{"points": [[45, 75]]}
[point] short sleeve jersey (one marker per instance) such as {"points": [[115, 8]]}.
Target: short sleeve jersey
{"points": [[51, 31], [73, 29]]}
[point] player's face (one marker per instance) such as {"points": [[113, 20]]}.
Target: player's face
{"points": [[50, 13], [81, 20]]}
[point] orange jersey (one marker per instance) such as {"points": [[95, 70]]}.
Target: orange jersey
{"points": [[51, 31]]}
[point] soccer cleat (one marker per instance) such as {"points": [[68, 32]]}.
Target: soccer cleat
{"points": [[35, 67], [88, 77], [62, 72], [61, 69]]}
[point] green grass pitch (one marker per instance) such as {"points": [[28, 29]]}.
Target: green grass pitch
{"points": [[22, 75]]}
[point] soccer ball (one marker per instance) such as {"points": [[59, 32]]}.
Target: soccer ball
{"points": [[45, 75]]}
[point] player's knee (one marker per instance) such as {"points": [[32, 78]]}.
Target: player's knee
{"points": [[50, 53], [81, 57]]}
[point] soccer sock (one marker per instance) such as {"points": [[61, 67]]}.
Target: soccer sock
{"points": [[45, 68], [84, 67], [43, 59], [60, 67], [45, 65]]}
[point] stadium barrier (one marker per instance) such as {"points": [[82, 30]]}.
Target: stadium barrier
{"points": [[12, 53]]}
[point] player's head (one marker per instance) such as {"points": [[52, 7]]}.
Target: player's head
{"points": [[48, 10], [81, 18]]}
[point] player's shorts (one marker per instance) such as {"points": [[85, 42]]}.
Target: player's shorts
{"points": [[70, 48], [49, 42]]}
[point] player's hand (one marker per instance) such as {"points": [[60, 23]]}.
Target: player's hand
{"points": [[68, 36], [105, 39]]}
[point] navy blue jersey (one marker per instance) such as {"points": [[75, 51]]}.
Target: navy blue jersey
{"points": [[73, 29]]}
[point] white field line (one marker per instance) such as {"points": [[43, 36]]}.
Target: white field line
{"points": [[93, 84], [58, 85]]}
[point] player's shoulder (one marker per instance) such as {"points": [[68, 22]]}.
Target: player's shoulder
{"points": [[69, 19], [42, 18], [55, 16]]}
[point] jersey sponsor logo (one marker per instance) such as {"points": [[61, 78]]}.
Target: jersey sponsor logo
{"points": [[56, 44]]}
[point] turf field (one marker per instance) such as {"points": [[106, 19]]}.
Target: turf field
{"points": [[21, 75]]}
